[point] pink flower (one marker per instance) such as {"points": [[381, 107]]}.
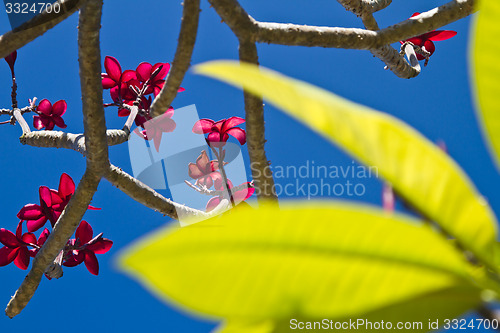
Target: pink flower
{"points": [[11, 60], [16, 247], [114, 76], [50, 115], [155, 127], [145, 71], [85, 248], [204, 171], [425, 41], [218, 132], [52, 203], [238, 196], [41, 240]]}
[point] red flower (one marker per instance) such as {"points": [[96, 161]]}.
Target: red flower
{"points": [[52, 203], [11, 60], [16, 247], [425, 41], [50, 115], [114, 76], [204, 171], [218, 132], [144, 72], [41, 240], [155, 127], [238, 196], [85, 248]]}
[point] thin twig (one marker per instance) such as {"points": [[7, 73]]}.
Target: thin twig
{"points": [[182, 58]]}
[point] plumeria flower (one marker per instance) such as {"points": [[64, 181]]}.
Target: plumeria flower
{"points": [[50, 115], [11, 60], [85, 247], [145, 71], [16, 247], [218, 132], [154, 128], [114, 75], [238, 196], [52, 203], [426, 41], [204, 171]]}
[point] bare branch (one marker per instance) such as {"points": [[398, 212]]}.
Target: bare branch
{"points": [[352, 38], [58, 139], [242, 24], [362, 7], [89, 55], [182, 59], [255, 128], [64, 228], [144, 194], [37, 26]]}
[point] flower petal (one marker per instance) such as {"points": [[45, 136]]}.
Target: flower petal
{"points": [[7, 255], [163, 71], [37, 123], [203, 126], [239, 134], [45, 107], [181, 89], [59, 107], [30, 212], [45, 196], [143, 71], [91, 262], [8, 238], [203, 163], [74, 259], [439, 35], [29, 238], [59, 122], [107, 82], [113, 68], [66, 186], [23, 258], [212, 203], [193, 171], [34, 225], [128, 75], [84, 232], [231, 122], [101, 246]]}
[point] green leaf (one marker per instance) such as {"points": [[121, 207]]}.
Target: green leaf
{"points": [[485, 66], [320, 260], [417, 169]]}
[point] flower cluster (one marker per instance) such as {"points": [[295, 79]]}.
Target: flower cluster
{"points": [[208, 173], [129, 87], [20, 247], [426, 41]]}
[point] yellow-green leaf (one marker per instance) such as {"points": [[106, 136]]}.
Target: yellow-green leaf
{"points": [[418, 170], [485, 56], [320, 260]]}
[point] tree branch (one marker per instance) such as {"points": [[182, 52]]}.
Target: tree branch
{"points": [[231, 12], [393, 60], [353, 38], [144, 194], [64, 228], [361, 7], [255, 128], [58, 139], [90, 78], [182, 59], [25, 33]]}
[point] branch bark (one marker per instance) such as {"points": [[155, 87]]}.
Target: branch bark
{"points": [[90, 78], [58, 139], [182, 59], [25, 33], [255, 128]]}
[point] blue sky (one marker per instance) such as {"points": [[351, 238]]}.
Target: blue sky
{"points": [[438, 103]]}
